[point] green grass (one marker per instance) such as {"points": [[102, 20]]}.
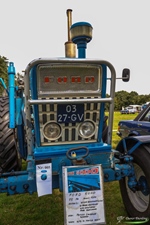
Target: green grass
{"points": [[28, 209]]}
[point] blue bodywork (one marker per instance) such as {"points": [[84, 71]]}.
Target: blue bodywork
{"points": [[12, 95], [130, 144], [98, 153], [138, 127]]}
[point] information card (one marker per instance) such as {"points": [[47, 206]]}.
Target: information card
{"points": [[83, 195], [44, 178]]}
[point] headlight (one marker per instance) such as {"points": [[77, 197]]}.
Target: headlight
{"points": [[51, 131], [87, 129]]}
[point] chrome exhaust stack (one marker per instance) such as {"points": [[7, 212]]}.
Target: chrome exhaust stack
{"points": [[70, 47]]}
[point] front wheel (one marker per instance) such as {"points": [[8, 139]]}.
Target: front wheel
{"points": [[137, 203]]}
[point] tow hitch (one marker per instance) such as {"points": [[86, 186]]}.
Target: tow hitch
{"points": [[75, 158]]}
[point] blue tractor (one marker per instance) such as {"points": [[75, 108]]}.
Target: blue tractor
{"points": [[57, 115]]}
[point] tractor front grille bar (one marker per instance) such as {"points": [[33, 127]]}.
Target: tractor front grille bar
{"points": [[57, 101]]}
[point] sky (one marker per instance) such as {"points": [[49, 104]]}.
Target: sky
{"points": [[32, 29]]}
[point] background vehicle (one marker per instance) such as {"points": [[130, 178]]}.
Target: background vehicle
{"points": [[139, 126], [128, 110], [131, 109], [55, 121]]}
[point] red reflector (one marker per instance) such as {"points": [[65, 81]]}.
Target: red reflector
{"points": [[59, 79], [62, 80], [79, 79], [72, 79], [89, 79], [65, 79], [76, 79], [46, 80]]}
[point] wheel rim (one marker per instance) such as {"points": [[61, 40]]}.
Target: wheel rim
{"points": [[140, 200]]}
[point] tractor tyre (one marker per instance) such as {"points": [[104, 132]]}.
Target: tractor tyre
{"points": [[137, 203], [9, 157]]}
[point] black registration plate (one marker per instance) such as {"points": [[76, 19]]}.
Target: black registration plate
{"points": [[70, 113]]}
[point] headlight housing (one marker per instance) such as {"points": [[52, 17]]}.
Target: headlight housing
{"points": [[52, 131], [87, 129]]}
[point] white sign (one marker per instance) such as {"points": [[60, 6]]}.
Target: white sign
{"points": [[83, 195], [44, 179]]}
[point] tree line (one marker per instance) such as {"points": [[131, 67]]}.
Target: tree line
{"points": [[122, 98]]}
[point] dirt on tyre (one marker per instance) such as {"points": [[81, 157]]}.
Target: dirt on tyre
{"points": [[9, 158], [137, 203]]}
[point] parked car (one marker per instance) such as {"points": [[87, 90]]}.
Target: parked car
{"points": [[131, 109], [128, 110], [139, 126]]}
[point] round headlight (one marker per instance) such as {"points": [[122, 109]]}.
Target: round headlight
{"points": [[87, 129], [51, 131]]}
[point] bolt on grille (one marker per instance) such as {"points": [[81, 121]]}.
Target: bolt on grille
{"points": [[70, 134]]}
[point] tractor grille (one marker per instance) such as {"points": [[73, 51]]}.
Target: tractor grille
{"points": [[48, 112]]}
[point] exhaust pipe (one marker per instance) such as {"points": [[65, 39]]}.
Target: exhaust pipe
{"points": [[70, 47]]}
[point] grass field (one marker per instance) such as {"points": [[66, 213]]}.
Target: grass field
{"points": [[28, 209]]}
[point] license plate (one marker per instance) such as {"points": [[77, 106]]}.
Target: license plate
{"points": [[70, 113]]}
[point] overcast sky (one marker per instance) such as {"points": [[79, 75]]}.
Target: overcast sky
{"points": [[32, 28]]}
